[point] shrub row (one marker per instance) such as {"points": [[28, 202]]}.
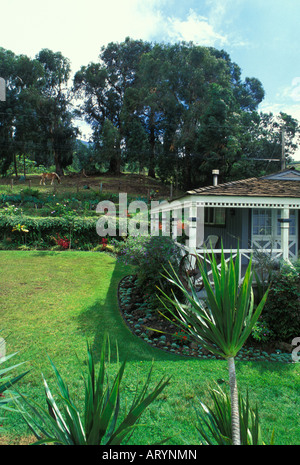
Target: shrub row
{"points": [[41, 230]]}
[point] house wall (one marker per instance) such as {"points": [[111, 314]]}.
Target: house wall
{"points": [[237, 229]]}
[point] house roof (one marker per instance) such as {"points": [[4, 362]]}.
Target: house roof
{"points": [[282, 184]]}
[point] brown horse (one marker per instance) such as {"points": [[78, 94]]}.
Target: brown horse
{"points": [[51, 176]]}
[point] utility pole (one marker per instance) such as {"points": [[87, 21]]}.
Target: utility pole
{"points": [[283, 151]]}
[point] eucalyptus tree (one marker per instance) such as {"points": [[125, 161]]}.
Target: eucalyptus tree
{"points": [[102, 87], [190, 100], [7, 60], [23, 76], [178, 110], [56, 130], [216, 99], [265, 140], [152, 101]]}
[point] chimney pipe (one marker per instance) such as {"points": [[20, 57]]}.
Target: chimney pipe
{"points": [[215, 177]]}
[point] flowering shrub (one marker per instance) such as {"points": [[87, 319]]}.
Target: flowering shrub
{"points": [[261, 332], [10, 210], [181, 337], [62, 209], [104, 243], [63, 242]]}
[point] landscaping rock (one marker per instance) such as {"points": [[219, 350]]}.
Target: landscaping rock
{"points": [[138, 315]]}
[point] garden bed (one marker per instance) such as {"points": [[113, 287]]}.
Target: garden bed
{"points": [[163, 334]]}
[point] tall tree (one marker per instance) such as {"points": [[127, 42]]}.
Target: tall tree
{"points": [[263, 139], [102, 86], [57, 133], [23, 78]]}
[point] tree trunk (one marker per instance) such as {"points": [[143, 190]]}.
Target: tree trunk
{"points": [[24, 164], [58, 167], [15, 165], [235, 416], [151, 170], [115, 165]]}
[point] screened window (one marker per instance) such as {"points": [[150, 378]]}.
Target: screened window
{"points": [[292, 217], [214, 216], [262, 222], [265, 222]]}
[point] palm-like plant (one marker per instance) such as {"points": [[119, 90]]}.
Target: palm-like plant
{"points": [[99, 424], [224, 321], [214, 424]]}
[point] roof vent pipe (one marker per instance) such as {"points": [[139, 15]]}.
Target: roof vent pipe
{"points": [[215, 177]]}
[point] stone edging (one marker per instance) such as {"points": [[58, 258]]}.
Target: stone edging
{"points": [[245, 354]]}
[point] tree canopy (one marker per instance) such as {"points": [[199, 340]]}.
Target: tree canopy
{"points": [[36, 117], [175, 110]]}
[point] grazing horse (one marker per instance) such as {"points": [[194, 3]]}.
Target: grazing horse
{"points": [[51, 176]]}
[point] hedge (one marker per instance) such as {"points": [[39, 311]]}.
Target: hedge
{"points": [[43, 229]]}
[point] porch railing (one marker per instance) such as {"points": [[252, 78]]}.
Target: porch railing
{"points": [[244, 255]]}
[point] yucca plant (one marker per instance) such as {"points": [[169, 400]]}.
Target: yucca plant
{"points": [[224, 321], [99, 423], [214, 423]]}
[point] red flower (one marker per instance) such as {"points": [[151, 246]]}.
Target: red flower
{"points": [[104, 243], [63, 242]]}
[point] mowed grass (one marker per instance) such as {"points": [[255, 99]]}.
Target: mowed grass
{"points": [[51, 303]]}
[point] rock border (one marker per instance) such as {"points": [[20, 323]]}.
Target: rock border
{"points": [[191, 350]]}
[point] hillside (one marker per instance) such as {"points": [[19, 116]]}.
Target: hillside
{"points": [[133, 184]]}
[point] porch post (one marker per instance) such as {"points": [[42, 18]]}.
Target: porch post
{"points": [[200, 226], [174, 225], [285, 225], [193, 227], [165, 223]]}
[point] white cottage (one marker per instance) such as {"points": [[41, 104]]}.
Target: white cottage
{"points": [[249, 215]]}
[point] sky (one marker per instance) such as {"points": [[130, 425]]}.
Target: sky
{"points": [[261, 36]]}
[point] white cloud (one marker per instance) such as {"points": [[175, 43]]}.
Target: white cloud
{"points": [[294, 91], [79, 29], [195, 28], [291, 92]]}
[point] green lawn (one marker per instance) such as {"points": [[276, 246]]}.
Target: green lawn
{"points": [[52, 302]]}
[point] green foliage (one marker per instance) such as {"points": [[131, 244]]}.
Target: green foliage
{"points": [[7, 396], [99, 423], [150, 255], [85, 285], [261, 332], [282, 309], [41, 230], [224, 322], [214, 423]]}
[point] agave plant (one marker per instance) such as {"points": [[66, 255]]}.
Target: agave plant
{"points": [[224, 321], [99, 424], [214, 424]]}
